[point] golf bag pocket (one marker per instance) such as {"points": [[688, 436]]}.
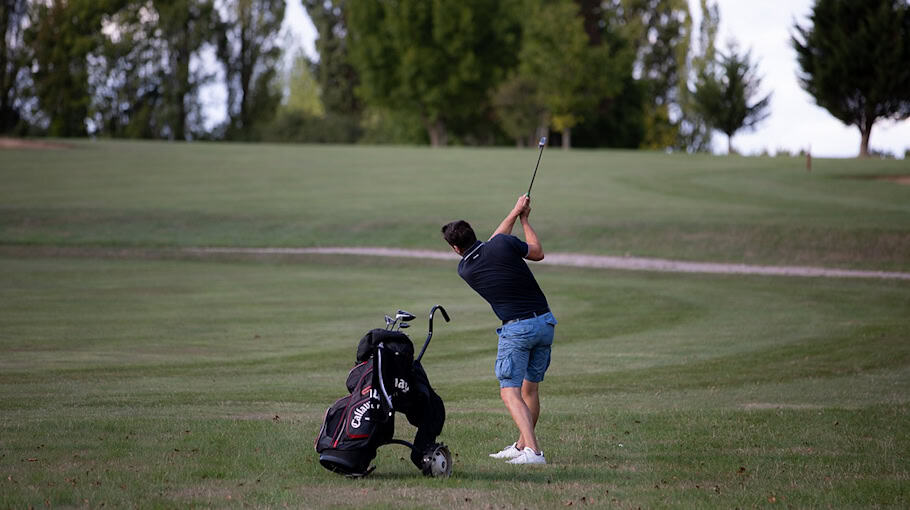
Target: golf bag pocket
{"points": [[350, 423], [359, 424], [350, 435], [332, 424]]}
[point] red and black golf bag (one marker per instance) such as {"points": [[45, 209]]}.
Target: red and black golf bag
{"points": [[385, 379]]}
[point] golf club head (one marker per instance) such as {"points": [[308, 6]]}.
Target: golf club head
{"points": [[404, 316], [388, 321], [404, 325], [542, 142]]}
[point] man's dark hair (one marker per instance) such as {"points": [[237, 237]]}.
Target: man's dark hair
{"points": [[459, 234]]}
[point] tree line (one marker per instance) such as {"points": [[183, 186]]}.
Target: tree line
{"points": [[591, 73]]}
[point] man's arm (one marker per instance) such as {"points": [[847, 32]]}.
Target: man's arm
{"points": [[535, 250], [506, 226]]}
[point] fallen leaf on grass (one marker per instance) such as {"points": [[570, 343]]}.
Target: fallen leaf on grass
{"points": [[772, 499], [31, 459]]}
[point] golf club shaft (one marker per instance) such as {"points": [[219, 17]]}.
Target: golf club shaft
{"points": [[543, 142]]}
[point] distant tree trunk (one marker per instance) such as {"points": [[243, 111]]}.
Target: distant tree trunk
{"points": [[567, 138], [865, 129], [437, 132], [183, 85], [729, 144]]}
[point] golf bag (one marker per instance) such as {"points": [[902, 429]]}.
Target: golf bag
{"points": [[385, 379]]}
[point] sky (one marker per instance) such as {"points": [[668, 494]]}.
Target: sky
{"points": [[765, 27]]}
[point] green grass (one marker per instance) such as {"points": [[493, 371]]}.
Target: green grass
{"points": [[177, 383], [729, 209], [149, 378]]}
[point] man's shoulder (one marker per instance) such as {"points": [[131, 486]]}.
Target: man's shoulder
{"points": [[501, 239], [510, 243]]}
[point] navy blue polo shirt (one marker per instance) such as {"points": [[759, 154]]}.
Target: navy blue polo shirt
{"points": [[497, 271]]}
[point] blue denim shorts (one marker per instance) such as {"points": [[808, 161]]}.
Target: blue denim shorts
{"points": [[524, 350]]}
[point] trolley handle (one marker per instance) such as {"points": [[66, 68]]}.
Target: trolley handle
{"points": [[445, 316]]}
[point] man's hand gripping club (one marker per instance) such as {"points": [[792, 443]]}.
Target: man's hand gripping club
{"points": [[522, 211]]}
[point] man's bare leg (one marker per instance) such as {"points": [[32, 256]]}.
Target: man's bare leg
{"points": [[531, 397], [521, 415]]}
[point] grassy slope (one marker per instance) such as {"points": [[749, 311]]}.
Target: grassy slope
{"points": [[169, 383], [753, 210]]}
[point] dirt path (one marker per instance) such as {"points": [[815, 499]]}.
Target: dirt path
{"points": [[579, 260], [26, 143]]}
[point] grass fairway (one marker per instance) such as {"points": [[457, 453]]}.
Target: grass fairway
{"points": [[177, 383], [136, 381]]}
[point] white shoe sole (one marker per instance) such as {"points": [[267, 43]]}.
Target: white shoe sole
{"points": [[529, 458], [527, 462]]}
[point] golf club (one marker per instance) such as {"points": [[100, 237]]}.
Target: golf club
{"points": [[401, 316], [405, 316], [543, 141]]}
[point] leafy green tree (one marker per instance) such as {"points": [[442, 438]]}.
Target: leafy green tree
{"points": [[694, 134], [572, 74], [14, 59], [433, 60], [186, 27], [126, 74], [724, 95], [661, 30], [617, 120], [249, 50], [855, 61], [140, 76], [62, 36], [520, 112], [303, 90], [334, 72]]}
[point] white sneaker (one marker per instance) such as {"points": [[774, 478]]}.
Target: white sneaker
{"points": [[529, 456], [509, 452]]}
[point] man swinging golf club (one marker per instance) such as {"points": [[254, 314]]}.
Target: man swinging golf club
{"points": [[496, 270]]}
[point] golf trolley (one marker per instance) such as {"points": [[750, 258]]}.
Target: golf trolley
{"points": [[386, 379]]}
